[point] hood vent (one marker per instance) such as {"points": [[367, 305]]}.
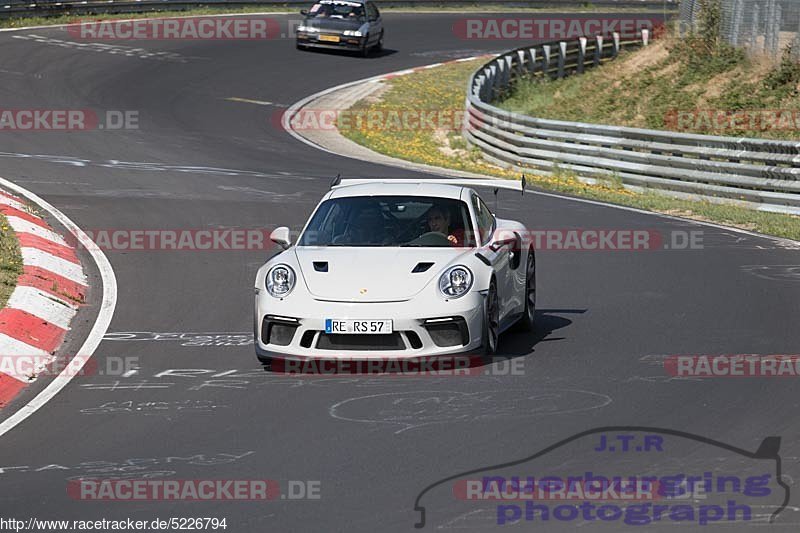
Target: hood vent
{"points": [[421, 267], [321, 266]]}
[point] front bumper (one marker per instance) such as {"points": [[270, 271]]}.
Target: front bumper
{"points": [[300, 330], [345, 43]]}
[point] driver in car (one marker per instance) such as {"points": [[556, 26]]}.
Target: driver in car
{"points": [[439, 222]]}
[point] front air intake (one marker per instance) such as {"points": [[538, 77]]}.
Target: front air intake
{"points": [[421, 267]]}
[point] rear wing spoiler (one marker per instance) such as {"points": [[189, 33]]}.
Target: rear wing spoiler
{"points": [[513, 185]]}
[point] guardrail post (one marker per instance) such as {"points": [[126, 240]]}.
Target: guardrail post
{"points": [[495, 78], [581, 54], [645, 36], [477, 89], [562, 58], [507, 66], [520, 62], [532, 59], [486, 88], [546, 59], [615, 47], [598, 49]]}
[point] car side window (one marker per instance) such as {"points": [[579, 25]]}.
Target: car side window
{"points": [[372, 11], [484, 218]]}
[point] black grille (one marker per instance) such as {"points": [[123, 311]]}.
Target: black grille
{"points": [[277, 333], [414, 340], [452, 333], [307, 339], [388, 341]]}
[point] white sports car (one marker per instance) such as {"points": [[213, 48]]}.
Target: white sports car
{"points": [[396, 269]]}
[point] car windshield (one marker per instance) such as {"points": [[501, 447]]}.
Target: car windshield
{"points": [[337, 10], [390, 221]]}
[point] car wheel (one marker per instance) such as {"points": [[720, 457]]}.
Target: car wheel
{"points": [[379, 45], [299, 46], [528, 320], [491, 322]]}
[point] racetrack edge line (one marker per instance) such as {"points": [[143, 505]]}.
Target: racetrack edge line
{"points": [[107, 305]]}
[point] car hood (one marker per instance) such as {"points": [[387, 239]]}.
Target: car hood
{"points": [[333, 24], [371, 274]]}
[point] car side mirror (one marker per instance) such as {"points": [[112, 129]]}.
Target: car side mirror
{"points": [[280, 236], [304, 12]]}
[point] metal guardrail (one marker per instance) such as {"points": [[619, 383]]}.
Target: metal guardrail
{"points": [[44, 8], [762, 173]]}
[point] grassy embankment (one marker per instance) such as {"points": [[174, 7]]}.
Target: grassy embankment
{"points": [[639, 88]]}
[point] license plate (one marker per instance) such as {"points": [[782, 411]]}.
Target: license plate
{"points": [[366, 327], [329, 38]]}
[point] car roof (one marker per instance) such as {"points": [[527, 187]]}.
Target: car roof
{"points": [[387, 188]]}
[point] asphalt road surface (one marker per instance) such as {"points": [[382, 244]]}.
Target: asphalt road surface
{"points": [[200, 407]]}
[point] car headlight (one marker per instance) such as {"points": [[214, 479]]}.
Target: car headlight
{"points": [[455, 282], [307, 29], [280, 280], [353, 33]]}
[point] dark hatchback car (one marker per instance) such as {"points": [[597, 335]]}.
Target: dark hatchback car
{"points": [[342, 25]]}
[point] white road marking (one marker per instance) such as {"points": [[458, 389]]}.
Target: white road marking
{"points": [[107, 306], [114, 49], [62, 267], [248, 101], [13, 348], [5, 200], [26, 226], [43, 305]]}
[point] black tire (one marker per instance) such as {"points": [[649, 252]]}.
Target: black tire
{"points": [[491, 323], [528, 320], [266, 361], [379, 44], [299, 46]]}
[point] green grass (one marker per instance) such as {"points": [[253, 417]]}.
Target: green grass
{"points": [[10, 261], [669, 85], [444, 88]]}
